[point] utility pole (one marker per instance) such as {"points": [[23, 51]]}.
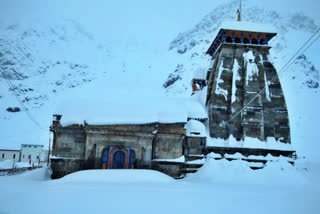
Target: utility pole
{"points": [[49, 152], [239, 11]]}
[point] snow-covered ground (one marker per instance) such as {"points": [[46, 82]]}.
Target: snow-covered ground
{"points": [[65, 55], [9, 164], [219, 187]]}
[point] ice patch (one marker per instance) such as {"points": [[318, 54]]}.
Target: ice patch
{"points": [[220, 90], [252, 68], [266, 87], [236, 77]]}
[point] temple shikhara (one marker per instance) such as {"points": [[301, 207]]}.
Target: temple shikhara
{"points": [[244, 96], [246, 115]]}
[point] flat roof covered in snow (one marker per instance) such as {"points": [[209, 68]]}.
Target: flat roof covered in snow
{"points": [[132, 110]]}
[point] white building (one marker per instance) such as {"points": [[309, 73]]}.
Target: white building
{"points": [[8, 154], [32, 153]]}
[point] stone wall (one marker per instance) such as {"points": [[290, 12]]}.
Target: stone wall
{"points": [[61, 166], [79, 147], [69, 142], [234, 81], [195, 145], [136, 137], [169, 168]]}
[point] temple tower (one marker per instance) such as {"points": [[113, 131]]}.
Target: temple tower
{"points": [[241, 69]]}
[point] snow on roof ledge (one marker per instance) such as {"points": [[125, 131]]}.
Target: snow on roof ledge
{"points": [[247, 26], [195, 129], [250, 143], [130, 110]]}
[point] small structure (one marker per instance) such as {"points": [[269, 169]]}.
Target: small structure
{"points": [[198, 84]]}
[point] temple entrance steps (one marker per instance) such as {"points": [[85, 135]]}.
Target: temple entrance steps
{"points": [[193, 163], [255, 159], [246, 152]]}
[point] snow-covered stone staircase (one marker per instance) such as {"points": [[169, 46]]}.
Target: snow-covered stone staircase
{"points": [[255, 162], [193, 163]]}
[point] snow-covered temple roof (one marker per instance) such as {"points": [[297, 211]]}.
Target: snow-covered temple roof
{"points": [[137, 110], [247, 26], [242, 33]]}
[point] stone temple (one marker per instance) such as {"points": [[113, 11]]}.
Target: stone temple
{"points": [[244, 96], [244, 103]]}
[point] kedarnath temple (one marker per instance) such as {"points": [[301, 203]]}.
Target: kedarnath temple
{"points": [[245, 87], [244, 100]]}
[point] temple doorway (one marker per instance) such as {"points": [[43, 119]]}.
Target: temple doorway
{"points": [[118, 158]]}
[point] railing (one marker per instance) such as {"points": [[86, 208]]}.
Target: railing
{"points": [[16, 171]]}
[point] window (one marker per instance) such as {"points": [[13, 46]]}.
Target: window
{"points": [[2, 155], [229, 39], [22, 156], [29, 157], [246, 40], [237, 40], [37, 157], [195, 133], [254, 41], [14, 156]]}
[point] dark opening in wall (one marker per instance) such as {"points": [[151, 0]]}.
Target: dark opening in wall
{"points": [[229, 39], [254, 41], [195, 133], [245, 40], [237, 40], [261, 41], [251, 113]]}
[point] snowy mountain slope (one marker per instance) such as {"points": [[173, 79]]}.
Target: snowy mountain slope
{"points": [[54, 53], [195, 42]]}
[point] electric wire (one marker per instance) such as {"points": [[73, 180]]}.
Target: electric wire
{"points": [[24, 108]]}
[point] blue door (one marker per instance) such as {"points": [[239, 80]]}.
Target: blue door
{"points": [[119, 160]]}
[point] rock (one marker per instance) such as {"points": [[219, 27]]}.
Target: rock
{"points": [[312, 84], [171, 80], [13, 109]]}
